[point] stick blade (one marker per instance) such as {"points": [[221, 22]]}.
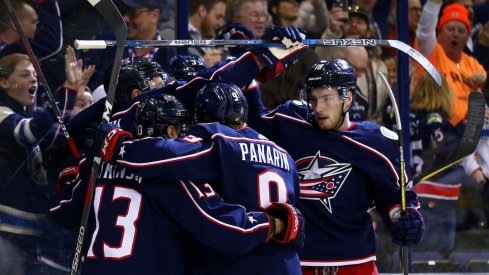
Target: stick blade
{"points": [[468, 142]]}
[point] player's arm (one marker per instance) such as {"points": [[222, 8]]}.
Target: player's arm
{"points": [[71, 188], [228, 228], [189, 158]]}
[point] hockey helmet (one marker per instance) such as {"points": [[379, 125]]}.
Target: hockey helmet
{"points": [[221, 102], [186, 67], [335, 74], [155, 113], [129, 78], [151, 69]]}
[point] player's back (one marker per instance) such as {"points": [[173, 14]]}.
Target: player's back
{"points": [[253, 172], [128, 234]]}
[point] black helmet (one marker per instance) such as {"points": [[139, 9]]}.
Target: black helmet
{"points": [[221, 102], [336, 74], [186, 67], [155, 113], [151, 69], [129, 78]]}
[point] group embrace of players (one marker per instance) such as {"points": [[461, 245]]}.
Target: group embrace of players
{"points": [[198, 177]]}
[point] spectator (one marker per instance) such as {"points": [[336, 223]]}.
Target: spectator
{"points": [[357, 26], [313, 17], [432, 138], [251, 13], [206, 18], [42, 26], [141, 17], [284, 13], [414, 14], [445, 51], [481, 45], [368, 6], [22, 189]]}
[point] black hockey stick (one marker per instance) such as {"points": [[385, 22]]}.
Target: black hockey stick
{"points": [[40, 75], [401, 46], [112, 16], [402, 172], [468, 143]]}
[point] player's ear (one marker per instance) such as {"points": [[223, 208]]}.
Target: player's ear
{"points": [[171, 132], [349, 100], [135, 92]]}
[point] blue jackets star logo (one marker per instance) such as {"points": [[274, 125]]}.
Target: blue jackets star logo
{"points": [[321, 178]]}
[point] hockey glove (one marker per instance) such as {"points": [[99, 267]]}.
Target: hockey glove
{"points": [[408, 229], [106, 138], [295, 224], [275, 60], [236, 31]]}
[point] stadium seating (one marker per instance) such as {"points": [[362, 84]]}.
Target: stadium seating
{"points": [[426, 266], [463, 257]]}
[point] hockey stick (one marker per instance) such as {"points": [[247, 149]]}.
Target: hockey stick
{"points": [[40, 76], [112, 16], [402, 172], [401, 46], [468, 143]]}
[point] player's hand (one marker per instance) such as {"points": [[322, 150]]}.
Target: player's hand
{"points": [[236, 31], [408, 229], [104, 140], [287, 35], [274, 60], [293, 231]]}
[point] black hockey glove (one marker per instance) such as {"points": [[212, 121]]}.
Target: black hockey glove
{"points": [[408, 229], [275, 60], [295, 224], [236, 31], [105, 139]]}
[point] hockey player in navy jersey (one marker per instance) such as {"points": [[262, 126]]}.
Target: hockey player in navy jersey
{"points": [[343, 167], [185, 67], [147, 226], [240, 164], [260, 62]]}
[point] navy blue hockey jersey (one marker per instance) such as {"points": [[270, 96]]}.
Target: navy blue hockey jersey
{"points": [[243, 167], [240, 72], [340, 174], [140, 226]]}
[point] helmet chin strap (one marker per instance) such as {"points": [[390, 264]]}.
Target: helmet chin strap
{"points": [[343, 114]]}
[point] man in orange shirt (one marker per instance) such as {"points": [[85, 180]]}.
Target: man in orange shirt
{"points": [[464, 73]]}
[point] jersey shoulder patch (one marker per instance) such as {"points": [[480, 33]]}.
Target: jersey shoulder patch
{"points": [[388, 133], [5, 112]]}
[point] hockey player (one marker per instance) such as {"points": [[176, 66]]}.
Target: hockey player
{"points": [[244, 167], [153, 72], [262, 63], [343, 167], [185, 67], [146, 226]]}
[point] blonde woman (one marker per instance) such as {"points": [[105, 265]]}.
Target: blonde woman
{"points": [[432, 138]]}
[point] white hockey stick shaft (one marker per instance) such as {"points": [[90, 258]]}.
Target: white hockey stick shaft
{"points": [[399, 45], [402, 172]]}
